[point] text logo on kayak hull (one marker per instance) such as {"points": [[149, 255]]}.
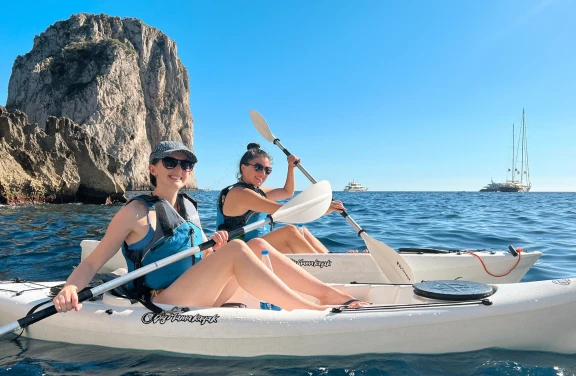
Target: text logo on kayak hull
{"points": [[164, 317]]}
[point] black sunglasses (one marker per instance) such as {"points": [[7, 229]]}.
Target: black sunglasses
{"points": [[171, 163], [259, 168]]}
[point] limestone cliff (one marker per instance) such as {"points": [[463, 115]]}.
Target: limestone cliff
{"points": [[62, 163], [119, 80]]}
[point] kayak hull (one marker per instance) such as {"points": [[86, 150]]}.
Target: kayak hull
{"points": [[535, 316], [361, 267]]}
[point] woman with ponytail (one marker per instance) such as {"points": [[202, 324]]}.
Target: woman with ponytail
{"points": [[248, 201]]}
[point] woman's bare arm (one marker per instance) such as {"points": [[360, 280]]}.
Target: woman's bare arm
{"points": [[239, 200]]}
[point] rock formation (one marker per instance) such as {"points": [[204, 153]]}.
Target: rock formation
{"points": [[122, 85], [62, 163]]}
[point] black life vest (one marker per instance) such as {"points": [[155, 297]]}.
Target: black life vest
{"points": [[229, 223]]}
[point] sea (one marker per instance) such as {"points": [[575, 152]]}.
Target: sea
{"points": [[42, 243]]}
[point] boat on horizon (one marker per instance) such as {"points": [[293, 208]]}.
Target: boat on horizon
{"points": [[519, 170], [354, 186], [492, 187]]}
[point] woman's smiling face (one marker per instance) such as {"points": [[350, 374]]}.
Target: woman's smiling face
{"points": [[171, 176], [250, 174]]}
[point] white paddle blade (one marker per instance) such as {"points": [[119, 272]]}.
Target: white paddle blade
{"points": [[261, 126], [389, 261], [309, 205]]}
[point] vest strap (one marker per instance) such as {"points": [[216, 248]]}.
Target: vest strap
{"points": [[232, 223], [167, 230]]}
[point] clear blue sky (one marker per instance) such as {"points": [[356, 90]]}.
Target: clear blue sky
{"points": [[399, 95]]}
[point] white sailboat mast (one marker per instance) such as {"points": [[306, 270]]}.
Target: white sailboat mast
{"points": [[525, 151], [523, 135], [513, 156]]}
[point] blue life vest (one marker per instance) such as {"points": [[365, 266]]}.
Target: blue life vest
{"points": [[175, 232], [229, 223]]}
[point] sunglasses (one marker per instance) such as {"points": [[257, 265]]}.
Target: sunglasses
{"points": [[259, 168], [171, 163]]}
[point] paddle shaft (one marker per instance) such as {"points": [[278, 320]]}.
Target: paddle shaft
{"points": [[95, 291], [343, 213]]}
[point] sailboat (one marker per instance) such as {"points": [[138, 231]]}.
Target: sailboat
{"points": [[519, 180]]}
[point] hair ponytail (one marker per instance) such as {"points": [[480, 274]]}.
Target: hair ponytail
{"points": [[253, 145]]}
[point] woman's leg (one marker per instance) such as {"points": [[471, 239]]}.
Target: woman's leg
{"points": [[314, 242], [203, 284], [296, 277], [227, 292], [288, 239]]}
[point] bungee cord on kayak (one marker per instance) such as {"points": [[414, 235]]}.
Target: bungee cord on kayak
{"points": [[519, 257]]}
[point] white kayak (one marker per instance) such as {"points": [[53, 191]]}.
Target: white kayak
{"points": [[534, 316], [481, 266]]}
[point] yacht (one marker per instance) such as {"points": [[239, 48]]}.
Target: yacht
{"points": [[519, 171], [354, 186], [492, 187]]}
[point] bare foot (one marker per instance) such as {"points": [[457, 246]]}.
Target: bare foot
{"points": [[338, 298], [354, 303]]}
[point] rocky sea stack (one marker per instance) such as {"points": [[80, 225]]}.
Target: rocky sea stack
{"points": [[103, 91]]}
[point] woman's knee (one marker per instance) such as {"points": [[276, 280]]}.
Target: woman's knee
{"points": [[258, 244], [240, 248], [292, 230], [233, 246]]}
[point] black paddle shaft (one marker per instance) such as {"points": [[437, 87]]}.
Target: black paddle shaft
{"points": [[241, 231], [49, 311]]}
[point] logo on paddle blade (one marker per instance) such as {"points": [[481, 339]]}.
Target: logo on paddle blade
{"points": [[403, 270]]}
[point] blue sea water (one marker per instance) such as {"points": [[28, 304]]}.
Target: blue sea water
{"points": [[41, 242]]}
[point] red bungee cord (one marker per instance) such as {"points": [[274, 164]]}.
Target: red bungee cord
{"points": [[519, 250]]}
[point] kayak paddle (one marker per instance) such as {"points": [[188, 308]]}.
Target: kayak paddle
{"points": [[394, 267], [309, 205]]}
